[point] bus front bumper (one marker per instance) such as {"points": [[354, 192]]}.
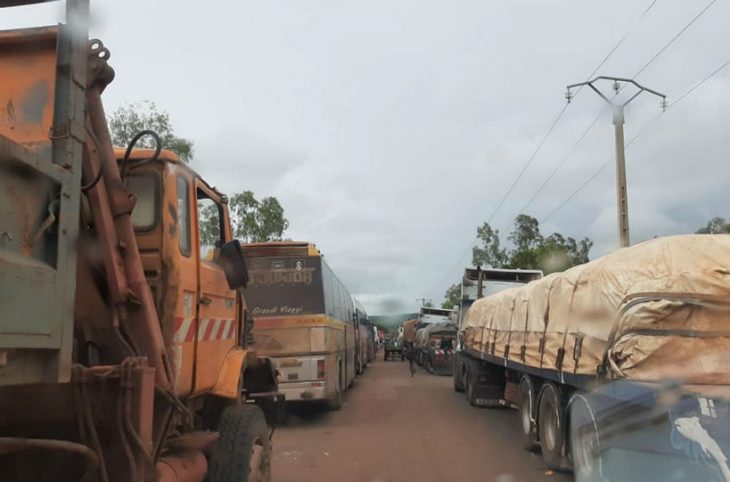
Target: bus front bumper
{"points": [[303, 391]]}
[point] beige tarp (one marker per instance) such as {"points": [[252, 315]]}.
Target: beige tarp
{"points": [[409, 330], [424, 334], [662, 304]]}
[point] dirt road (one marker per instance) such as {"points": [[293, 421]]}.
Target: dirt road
{"points": [[394, 428]]}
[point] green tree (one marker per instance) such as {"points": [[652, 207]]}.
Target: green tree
{"points": [[489, 253], [557, 253], [452, 296], [252, 220], [531, 249], [130, 119], [256, 221], [715, 226]]}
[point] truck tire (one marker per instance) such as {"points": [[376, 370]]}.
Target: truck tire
{"points": [[584, 440], [551, 427], [243, 451], [471, 388], [458, 376], [526, 410]]}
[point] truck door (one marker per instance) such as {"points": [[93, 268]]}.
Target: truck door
{"points": [[217, 328]]}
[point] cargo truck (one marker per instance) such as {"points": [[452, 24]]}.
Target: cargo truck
{"points": [[617, 367], [435, 347], [475, 284]]}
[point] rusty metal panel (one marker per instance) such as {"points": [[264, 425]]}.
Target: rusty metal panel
{"points": [[42, 71], [28, 70]]}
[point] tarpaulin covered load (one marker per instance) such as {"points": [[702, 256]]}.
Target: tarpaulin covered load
{"points": [[409, 330], [434, 330], [657, 310]]}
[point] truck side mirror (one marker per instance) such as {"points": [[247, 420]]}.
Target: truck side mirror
{"points": [[233, 264]]}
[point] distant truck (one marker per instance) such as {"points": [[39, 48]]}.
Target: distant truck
{"points": [[618, 367], [429, 315], [393, 347], [435, 347]]}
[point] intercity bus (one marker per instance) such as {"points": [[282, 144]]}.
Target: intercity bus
{"points": [[303, 320]]}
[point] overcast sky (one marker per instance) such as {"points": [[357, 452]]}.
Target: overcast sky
{"points": [[390, 129]]}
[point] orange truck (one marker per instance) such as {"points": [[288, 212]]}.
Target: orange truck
{"points": [[125, 346]]}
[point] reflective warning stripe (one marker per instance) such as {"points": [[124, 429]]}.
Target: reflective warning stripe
{"points": [[209, 329]]}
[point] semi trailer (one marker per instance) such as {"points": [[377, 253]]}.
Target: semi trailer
{"points": [[617, 367]]}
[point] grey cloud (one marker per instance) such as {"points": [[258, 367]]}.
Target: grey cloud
{"points": [[390, 130]]}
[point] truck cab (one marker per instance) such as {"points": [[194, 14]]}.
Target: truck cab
{"points": [[181, 223]]}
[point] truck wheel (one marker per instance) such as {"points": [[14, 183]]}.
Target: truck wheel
{"points": [[551, 426], [471, 389], [585, 443], [458, 377], [526, 410], [243, 451]]}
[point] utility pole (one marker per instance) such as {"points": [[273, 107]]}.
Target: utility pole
{"points": [[618, 122]]}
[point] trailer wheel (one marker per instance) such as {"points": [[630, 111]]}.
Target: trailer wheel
{"points": [[526, 410], [243, 451], [585, 443], [551, 427], [471, 389], [458, 376]]}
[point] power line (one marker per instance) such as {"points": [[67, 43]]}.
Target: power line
{"points": [[550, 130], [590, 127], [618, 44], [527, 164], [642, 69], [633, 139], [672, 40], [564, 161], [714, 72]]}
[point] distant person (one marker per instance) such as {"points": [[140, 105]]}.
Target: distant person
{"points": [[410, 352], [447, 344]]}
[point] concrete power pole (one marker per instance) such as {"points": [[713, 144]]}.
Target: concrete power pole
{"points": [[618, 122]]}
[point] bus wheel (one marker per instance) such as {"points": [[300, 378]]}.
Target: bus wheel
{"points": [[551, 425], [335, 402], [526, 410], [585, 444], [243, 451]]}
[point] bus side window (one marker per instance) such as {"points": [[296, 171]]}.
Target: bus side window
{"points": [[211, 233]]}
